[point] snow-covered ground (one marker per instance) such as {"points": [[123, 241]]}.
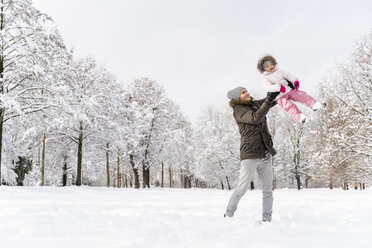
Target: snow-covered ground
{"points": [[106, 217]]}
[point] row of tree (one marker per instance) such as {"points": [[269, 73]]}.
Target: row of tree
{"points": [[66, 120], [69, 121], [343, 154]]}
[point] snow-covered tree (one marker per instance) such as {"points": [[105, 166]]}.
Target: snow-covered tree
{"points": [[30, 46], [293, 145], [344, 154], [153, 122], [176, 149], [217, 145]]}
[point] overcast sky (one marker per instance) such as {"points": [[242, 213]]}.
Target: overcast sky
{"points": [[199, 49]]}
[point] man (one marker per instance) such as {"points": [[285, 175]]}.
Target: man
{"points": [[256, 149]]}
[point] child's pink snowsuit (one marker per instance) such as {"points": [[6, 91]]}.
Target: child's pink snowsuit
{"points": [[276, 81]]}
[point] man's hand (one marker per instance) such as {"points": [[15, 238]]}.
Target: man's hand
{"points": [[271, 95], [290, 84]]}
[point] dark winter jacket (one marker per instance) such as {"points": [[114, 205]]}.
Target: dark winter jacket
{"points": [[255, 136]]}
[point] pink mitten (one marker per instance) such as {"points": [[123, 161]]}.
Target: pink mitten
{"points": [[297, 84], [282, 89]]}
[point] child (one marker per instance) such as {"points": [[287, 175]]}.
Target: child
{"points": [[277, 80]]}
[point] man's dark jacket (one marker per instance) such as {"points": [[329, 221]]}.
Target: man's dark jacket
{"points": [[255, 136]]}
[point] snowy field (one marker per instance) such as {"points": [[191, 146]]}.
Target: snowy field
{"points": [[99, 217]]}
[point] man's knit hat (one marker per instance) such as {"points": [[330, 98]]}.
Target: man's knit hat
{"points": [[235, 93]]}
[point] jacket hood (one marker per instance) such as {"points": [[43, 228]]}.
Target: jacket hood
{"points": [[234, 103], [263, 60]]}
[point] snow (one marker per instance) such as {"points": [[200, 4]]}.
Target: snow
{"points": [[109, 217]]}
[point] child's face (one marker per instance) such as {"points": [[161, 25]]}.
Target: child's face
{"points": [[270, 68]]}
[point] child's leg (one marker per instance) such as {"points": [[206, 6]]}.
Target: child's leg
{"points": [[290, 107], [301, 97]]}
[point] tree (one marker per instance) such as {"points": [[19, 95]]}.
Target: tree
{"points": [[217, 146], [30, 45], [151, 101], [345, 151]]}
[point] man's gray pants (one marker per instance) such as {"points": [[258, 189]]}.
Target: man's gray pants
{"points": [[265, 174]]}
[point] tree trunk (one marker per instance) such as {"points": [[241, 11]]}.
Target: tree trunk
{"points": [[187, 182], [118, 159], [80, 155], [145, 174], [43, 160], [297, 158], [148, 177], [298, 179], [222, 186], [274, 177], [107, 165], [182, 179], [1, 138], [135, 172], [297, 176], [162, 174], [64, 179], [170, 177], [2, 110], [228, 183], [274, 184]]}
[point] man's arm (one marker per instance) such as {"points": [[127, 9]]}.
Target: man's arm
{"points": [[244, 115], [261, 101]]}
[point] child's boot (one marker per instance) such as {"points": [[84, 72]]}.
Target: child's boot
{"points": [[318, 106], [302, 119]]}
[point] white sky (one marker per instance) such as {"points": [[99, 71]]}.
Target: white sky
{"points": [[200, 49]]}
